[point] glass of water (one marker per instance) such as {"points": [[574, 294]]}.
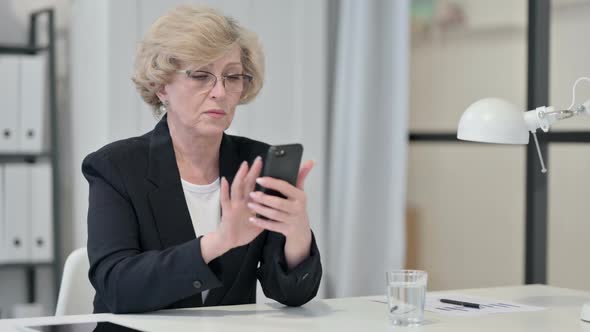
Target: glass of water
{"points": [[406, 291]]}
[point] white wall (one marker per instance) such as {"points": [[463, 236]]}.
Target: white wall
{"points": [[470, 198], [569, 184]]}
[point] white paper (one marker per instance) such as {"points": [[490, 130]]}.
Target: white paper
{"points": [[487, 306]]}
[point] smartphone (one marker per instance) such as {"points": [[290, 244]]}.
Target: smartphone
{"points": [[281, 162]]}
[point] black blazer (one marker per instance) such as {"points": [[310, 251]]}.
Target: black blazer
{"points": [[142, 247]]}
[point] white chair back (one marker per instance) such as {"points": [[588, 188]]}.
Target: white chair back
{"points": [[76, 293]]}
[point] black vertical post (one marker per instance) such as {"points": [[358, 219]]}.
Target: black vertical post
{"points": [[31, 289], [33, 30], [536, 182], [30, 271], [54, 123]]}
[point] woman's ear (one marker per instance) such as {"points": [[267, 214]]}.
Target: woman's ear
{"points": [[162, 93]]}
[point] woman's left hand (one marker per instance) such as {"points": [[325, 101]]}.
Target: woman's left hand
{"points": [[288, 216]]}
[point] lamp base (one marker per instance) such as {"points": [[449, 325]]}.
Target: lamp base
{"points": [[585, 315]]}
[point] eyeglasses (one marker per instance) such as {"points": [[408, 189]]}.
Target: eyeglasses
{"points": [[204, 80]]}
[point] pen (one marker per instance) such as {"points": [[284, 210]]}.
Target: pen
{"points": [[465, 304]]}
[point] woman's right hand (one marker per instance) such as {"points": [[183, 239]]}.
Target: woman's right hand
{"points": [[234, 230]]}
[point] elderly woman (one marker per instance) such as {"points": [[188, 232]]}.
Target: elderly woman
{"points": [[172, 216]]}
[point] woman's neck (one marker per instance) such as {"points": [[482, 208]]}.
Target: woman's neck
{"points": [[197, 155]]}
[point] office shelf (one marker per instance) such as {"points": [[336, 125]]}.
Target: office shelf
{"points": [[31, 48], [23, 157], [9, 49], [25, 265]]}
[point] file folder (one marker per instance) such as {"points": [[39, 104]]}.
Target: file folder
{"points": [[16, 214], [33, 115], [41, 213], [9, 103]]}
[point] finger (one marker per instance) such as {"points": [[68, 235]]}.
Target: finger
{"points": [[281, 186], [268, 212], [277, 203], [270, 225], [224, 197], [224, 193], [236, 186], [303, 172], [254, 172]]}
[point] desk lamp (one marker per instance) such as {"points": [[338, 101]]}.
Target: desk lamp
{"points": [[494, 120]]}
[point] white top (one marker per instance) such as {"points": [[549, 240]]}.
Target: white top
{"points": [[204, 208]]}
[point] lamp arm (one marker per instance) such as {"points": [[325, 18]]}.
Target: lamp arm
{"points": [[541, 117], [545, 116], [574, 94], [583, 109], [543, 168]]}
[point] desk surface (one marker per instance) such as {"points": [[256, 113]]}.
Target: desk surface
{"points": [[353, 314]]}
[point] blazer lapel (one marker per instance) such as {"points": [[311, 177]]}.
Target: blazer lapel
{"points": [[229, 158], [167, 200]]}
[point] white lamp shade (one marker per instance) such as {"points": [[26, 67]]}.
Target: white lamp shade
{"points": [[493, 120]]}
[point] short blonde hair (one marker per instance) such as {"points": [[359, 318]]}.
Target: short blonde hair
{"points": [[195, 35]]}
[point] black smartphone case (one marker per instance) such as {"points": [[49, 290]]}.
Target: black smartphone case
{"points": [[281, 162]]}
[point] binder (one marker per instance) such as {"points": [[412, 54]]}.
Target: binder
{"points": [[16, 214], [41, 212], [33, 117], [9, 103]]}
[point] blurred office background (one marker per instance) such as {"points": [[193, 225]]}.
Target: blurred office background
{"points": [[351, 80]]}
